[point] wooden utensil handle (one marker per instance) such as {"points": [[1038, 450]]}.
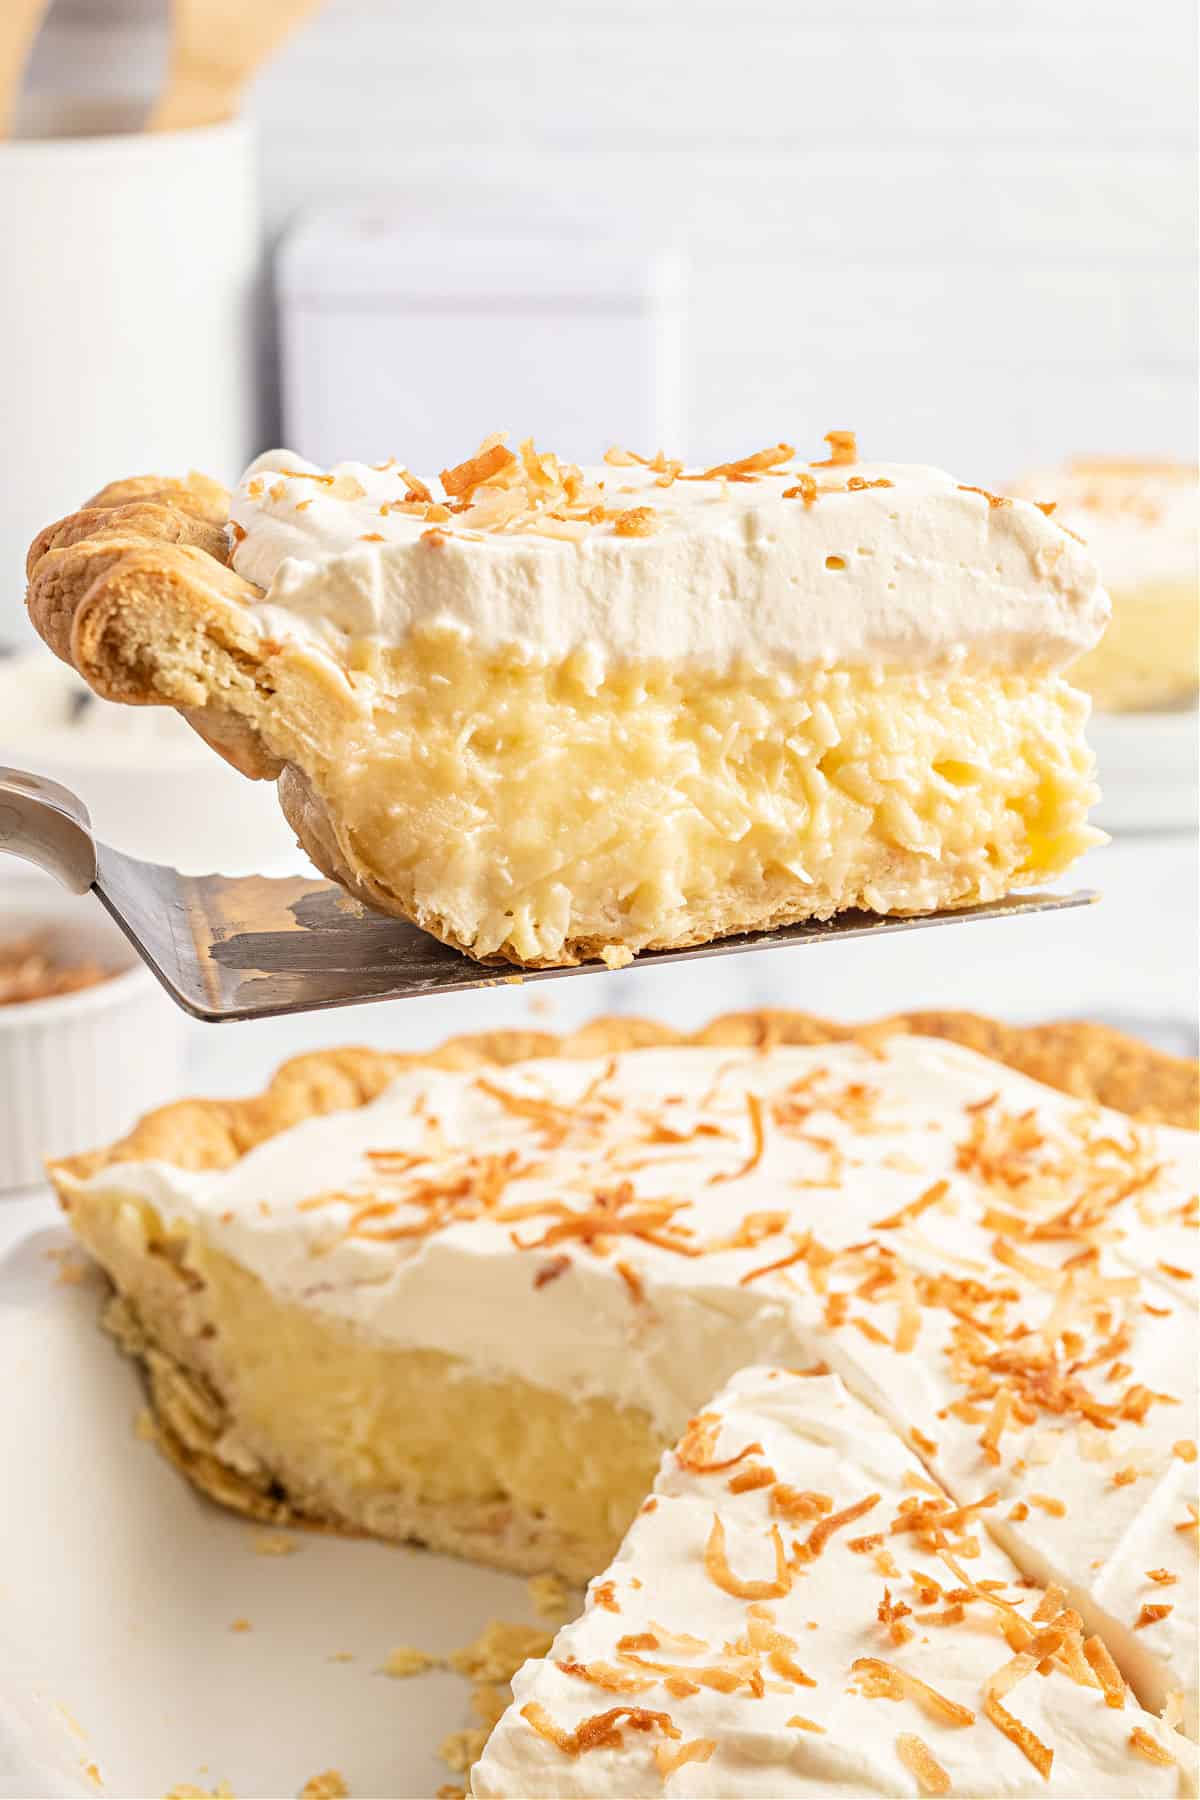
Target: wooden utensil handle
{"points": [[216, 47], [19, 23]]}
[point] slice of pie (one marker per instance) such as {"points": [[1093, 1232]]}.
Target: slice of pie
{"points": [[798, 1609], [552, 713], [470, 1298], [1141, 521]]}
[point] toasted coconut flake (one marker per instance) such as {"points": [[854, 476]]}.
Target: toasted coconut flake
{"points": [[678, 1642], [1163, 1577], [998, 1418], [1149, 1747], [821, 1533], [636, 522], [803, 1724], [843, 449], [1001, 1683], [869, 1329], [717, 1565], [1185, 1450], [799, 1503], [1105, 1671], [801, 1253], [679, 1687], [461, 481], [908, 1323], [604, 1595], [754, 1108], [1151, 1615], [905, 1215], [884, 1681], [755, 1475], [786, 1665], [694, 1449], [993, 500], [602, 1674], [922, 1764], [602, 1731], [747, 467], [668, 1760]]}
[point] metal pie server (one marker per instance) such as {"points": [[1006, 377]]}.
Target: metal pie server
{"points": [[249, 947]]}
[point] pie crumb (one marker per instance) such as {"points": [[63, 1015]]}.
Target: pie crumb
{"points": [[499, 1650], [450, 1792], [462, 1749], [71, 1267], [144, 1426], [329, 1785], [241, 1625], [407, 1660], [273, 1543], [550, 1596]]}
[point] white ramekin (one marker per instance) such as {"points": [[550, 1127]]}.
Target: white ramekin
{"points": [[78, 1070]]}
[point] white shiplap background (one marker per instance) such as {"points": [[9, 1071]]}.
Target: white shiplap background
{"points": [[968, 231]]}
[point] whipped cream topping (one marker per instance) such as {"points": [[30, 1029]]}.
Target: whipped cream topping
{"points": [[796, 564], [1141, 520], [799, 1692], [1005, 1276]]}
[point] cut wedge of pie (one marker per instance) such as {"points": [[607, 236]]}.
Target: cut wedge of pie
{"points": [[470, 1298], [798, 1609], [553, 714], [1141, 521]]}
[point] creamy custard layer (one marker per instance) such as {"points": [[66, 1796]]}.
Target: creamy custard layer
{"points": [[543, 812], [288, 1413]]}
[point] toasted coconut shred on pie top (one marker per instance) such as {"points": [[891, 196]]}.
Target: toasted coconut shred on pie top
{"points": [[587, 1249]]}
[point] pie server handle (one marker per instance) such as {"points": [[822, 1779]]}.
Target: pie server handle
{"points": [[48, 825]]}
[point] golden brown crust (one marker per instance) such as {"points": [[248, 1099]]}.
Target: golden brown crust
{"points": [[1092, 1062], [135, 591]]}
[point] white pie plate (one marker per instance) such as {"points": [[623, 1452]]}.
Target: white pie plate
{"points": [[118, 1587]]}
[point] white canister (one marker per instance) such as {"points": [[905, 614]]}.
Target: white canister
{"points": [[128, 314], [416, 339]]}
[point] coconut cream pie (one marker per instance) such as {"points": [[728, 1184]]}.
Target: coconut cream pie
{"points": [[798, 1609], [1141, 521], [470, 1298], [552, 713]]}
